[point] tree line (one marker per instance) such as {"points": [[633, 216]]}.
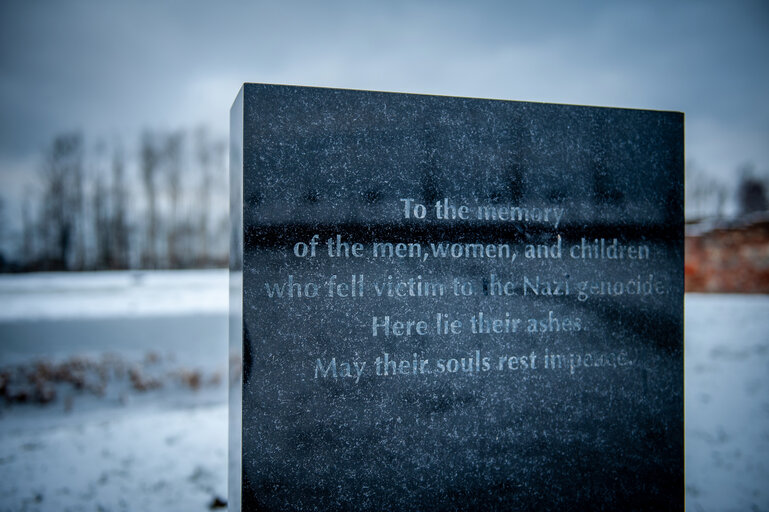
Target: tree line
{"points": [[164, 203], [708, 197], [162, 206]]}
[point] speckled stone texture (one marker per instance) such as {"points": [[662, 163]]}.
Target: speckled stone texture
{"points": [[571, 400]]}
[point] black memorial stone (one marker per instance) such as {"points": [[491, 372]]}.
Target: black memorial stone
{"points": [[445, 303]]}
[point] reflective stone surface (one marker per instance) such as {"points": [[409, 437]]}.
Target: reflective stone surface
{"points": [[490, 315]]}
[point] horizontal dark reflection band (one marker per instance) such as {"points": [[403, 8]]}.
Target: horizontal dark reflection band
{"points": [[261, 235]]}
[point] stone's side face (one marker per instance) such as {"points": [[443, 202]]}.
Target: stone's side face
{"points": [[236, 304], [453, 303]]}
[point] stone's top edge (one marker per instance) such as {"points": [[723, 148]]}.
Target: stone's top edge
{"points": [[260, 84]]}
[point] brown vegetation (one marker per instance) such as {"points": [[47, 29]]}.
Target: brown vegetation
{"points": [[44, 382]]}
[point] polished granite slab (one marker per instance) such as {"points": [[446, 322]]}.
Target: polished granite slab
{"points": [[453, 303]]}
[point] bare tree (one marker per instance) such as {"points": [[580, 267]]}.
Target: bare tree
{"points": [[721, 193], [62, 179], [2, 218], [78, 205], [705, 195], [751, 192], [695, 190], [203, 206], [2, 231], [150, 161], [221, 210], [101, 221], [120, 255], [28, 249], [75, 219], [173, 168]]}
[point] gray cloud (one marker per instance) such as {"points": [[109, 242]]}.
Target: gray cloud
{"points": [[111, 68]]}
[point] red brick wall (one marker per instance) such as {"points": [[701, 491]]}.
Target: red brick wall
{"points": [[729, 260]]}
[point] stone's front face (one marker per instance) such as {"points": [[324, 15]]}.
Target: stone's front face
{"points": [[453, 303]]}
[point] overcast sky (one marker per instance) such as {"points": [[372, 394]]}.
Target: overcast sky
{"points": [[111, 69]]}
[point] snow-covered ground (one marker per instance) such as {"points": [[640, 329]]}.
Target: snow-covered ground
{"points": [[132, 366], [727, 402], [152, 434], [137, 459], [109, 294]]}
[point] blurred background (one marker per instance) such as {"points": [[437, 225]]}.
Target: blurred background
{"points": [[113, 210]]}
